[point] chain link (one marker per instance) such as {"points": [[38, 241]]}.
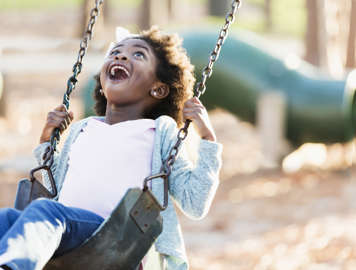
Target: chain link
{"points": [[71, 83], [201, 86]]}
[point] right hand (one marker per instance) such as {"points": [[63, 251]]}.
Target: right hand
{"points": [[58, 118]]}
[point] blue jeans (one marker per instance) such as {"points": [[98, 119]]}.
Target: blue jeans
{"points": [[29, 238]]}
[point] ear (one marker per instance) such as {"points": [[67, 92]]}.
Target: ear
{"points": [[160, 91]]}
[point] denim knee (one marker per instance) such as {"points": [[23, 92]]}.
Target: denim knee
{"points": [[9, 214], [44, 205]]}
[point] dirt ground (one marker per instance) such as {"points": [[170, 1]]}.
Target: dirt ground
{"points": [[261, 219]]}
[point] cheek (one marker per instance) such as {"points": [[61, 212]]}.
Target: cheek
{"points": [[149, 78], [103, 72], [102, 78]]}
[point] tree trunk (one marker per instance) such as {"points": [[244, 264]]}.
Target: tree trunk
{"points": [[86, 7], [153, 12], [145, 20], [106, 12], [173, 7], [3, 95], [315, 33], [351, 53], [218, 8], [268, 15]]}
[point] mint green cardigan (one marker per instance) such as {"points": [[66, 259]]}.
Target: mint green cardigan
{"points": [[191, 187]]}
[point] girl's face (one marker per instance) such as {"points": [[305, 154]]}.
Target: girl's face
{"points": [[129, 73]]}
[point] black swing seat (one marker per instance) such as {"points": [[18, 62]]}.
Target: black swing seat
{"points": [[121, 242]]}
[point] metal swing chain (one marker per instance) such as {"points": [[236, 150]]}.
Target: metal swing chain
{"points": [[199, 90], [201, 86], [71, 83]]}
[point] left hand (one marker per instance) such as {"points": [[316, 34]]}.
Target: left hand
{"points": [[194, 110]]}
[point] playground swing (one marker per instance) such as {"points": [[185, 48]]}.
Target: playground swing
{"points": [[136, 222]]}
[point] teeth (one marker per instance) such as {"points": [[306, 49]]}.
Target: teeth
{"points": [[115, 68]]}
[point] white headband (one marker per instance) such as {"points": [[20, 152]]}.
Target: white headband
{"points": [[121, 33]]}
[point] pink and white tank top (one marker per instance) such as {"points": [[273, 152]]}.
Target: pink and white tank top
{"points": [[106, 160]]}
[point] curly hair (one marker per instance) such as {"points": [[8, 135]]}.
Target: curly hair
{"points": [[173, 69]]}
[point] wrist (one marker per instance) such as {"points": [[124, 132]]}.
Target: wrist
{"points": [[209, 137], [43, 140]]}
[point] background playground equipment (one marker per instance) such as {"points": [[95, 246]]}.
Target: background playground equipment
{"points": [[318, 108]]}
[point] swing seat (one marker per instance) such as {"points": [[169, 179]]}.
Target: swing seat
{"points": [[121, 241]]}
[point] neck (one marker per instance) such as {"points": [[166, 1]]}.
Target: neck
{"points": [[115, 114]]}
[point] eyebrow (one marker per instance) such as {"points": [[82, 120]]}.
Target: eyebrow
{"points": [[135, 45]]}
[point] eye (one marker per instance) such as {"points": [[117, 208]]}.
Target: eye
{"points": [[139, 54], [114, 52]]}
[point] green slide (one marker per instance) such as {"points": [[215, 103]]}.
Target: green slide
{"points": [[319, 109]]}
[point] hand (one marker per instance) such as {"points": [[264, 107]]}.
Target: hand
{"points": [[58, 118], [194, 110]]}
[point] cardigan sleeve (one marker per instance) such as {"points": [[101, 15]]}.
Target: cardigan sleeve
{"points": [[193, 185], [58, 156]]}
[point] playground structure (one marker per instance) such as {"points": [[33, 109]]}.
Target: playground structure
{"points": [[319, 109]]}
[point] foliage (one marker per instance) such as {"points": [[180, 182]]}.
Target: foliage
{"points": [[37, 4], [288, 16]]}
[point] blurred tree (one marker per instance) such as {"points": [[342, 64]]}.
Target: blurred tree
{"points": [[146, 14], [315, 34], [350, 58], [153, 12], [173, 5], [3, 99], [218, 8], [86, 7], [268, 15]]}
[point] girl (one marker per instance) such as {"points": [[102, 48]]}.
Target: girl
{"points": [[143, 93]]}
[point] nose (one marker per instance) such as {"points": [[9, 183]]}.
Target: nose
{"points": [[121, 57]]}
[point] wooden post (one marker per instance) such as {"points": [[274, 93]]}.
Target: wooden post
{"points": [[106, 12], [86, 7], [2, 92], [351, 44], [145, 20], [268, 15], [218, 7], [2, 96], [271, 117], [315, 41], [173, 9], [153, 12]]}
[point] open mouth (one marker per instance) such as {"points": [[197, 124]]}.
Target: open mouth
{"points": [[118, 73]]}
